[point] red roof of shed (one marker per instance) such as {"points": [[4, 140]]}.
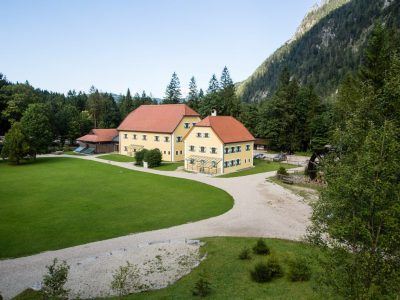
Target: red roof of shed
{"points": [[162, 118], [227, 128], [99, 135]]}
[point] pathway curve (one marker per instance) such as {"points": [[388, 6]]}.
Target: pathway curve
{"points": [[260, 209]]}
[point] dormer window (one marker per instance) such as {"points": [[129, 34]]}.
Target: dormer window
{"points": [[186, 125]]}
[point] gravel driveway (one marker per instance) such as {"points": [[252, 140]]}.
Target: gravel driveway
{"points": [[261, 209]]}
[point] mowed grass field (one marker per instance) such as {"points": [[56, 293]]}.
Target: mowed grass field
{"points": [[260, 166], [61, 202], [165, 166], [230, 277]]}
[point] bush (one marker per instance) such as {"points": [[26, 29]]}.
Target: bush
{"points": [[153, 158], [245, 254], [265, 272], [126, 279], [55, 279], [139, 157], [261, 248], [202, 287], [282, 171], [299, 270]]}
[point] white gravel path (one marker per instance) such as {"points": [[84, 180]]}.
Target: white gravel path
{"points": [[261, 208]]}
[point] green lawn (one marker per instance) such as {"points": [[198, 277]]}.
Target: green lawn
{"points": [[260, 166], [117, 157], [167, 166], [61, 202], [230, 277]]}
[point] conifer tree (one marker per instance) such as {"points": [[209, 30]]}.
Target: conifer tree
{"points": [[193, 95], [173, 92]]}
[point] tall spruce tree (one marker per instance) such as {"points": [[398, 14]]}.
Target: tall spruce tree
{"points": [[173, 92], [193, 95]]}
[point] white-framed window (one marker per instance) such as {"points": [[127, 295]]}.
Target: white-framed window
{"points": [[178, 139], [226, 150], [191, 161], [169, 152], [134, 136], [206, 135], [166, 139], [199, 135], [232, 149], [247, 147], [203, 162], [186, 125], [193, 124], [144, 137], [232, 163], [180, 151], [213, 164], [157, 138], [134, 150], [165, 152], [125, 135], [226, 164], [202, 149], [238, 162], [191, 148], [238, 148], [126, 148], [213, 150], [176, 152]]}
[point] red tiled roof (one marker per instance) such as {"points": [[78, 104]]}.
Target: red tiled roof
{"points": [[99, 135], [162, 118], [227, 128]]}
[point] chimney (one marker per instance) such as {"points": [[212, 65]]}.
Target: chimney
{"points": [[214, 112]]}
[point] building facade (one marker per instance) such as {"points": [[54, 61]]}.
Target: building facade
{"points": [[218, 145], [157, 126]]}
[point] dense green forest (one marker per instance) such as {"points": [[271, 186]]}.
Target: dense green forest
{"points": [[322, 55]]}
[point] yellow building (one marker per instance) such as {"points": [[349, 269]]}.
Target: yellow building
{"points": [[218, 145], [157, 126]]}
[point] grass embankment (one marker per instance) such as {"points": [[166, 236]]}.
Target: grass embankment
{"points": [[230, 277], [61, 202], [117, 157], [165, 166], [260, 166]]}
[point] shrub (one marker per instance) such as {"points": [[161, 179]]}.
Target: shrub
{"points": [[55, 279], [299, 270], [139, 156], [265, 272], [282, 171], [153, 158], [202, 287], [126, 279], [261, 248], [245, 254]]}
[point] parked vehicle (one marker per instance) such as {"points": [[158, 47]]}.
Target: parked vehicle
{"points": [[280, 157], [259, 156]]}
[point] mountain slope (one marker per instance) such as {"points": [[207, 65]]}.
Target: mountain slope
{"points": [[327, 45]]}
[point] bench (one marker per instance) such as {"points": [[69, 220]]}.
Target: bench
{"points": [[286, 179]]}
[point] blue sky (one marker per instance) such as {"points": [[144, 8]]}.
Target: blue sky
{"points": [[116, 44]]}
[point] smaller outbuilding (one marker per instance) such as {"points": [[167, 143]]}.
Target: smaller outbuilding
{"points": [[98, 141]]}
